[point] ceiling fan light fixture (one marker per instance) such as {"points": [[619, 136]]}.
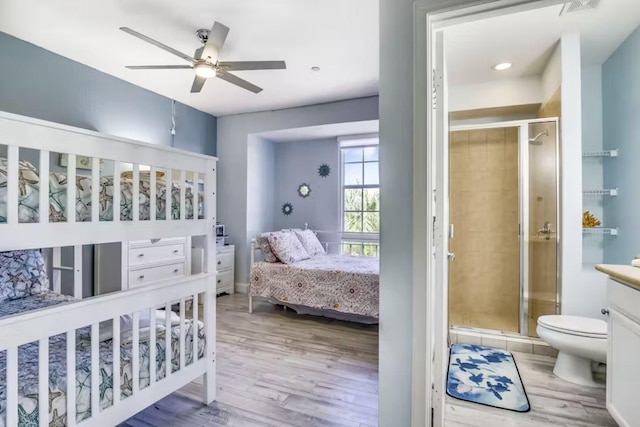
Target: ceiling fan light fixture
{"points": [[205, 70]]}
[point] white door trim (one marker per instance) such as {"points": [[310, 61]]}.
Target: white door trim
{"points": [[430, 16]]}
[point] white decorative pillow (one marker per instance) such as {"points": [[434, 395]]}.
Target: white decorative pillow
{"points": [[265, 247], [286, 246], [310, 242], [22, 273]]}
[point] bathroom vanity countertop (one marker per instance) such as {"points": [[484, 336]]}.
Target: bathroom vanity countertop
{"points": [[625, 273]]}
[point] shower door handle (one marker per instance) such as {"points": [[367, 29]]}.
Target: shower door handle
{"points": [[451, 256]]}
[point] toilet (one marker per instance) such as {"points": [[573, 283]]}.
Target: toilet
{"points": [[579, 341]]}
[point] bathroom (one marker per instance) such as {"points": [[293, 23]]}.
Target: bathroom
{"points": [[543, 142]]}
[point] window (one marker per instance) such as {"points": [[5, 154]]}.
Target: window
{"points": [[360, 200]]}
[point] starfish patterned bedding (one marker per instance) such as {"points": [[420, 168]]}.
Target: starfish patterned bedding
{"points": [[29, 190], [347, 284], [28, 365]]}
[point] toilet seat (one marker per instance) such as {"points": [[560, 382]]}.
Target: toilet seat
{"points": [[575, 325]]}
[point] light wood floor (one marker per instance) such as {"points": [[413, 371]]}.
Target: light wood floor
{"points": [[276, 368]]}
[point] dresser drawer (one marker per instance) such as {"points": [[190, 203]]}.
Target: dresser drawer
{"points": [[145, 276], [224, 282], [225, 260], [151, 254]]}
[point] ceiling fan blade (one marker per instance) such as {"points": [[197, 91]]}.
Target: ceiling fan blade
{"points": [[157, 44], [159, 67], [198, 82], [238, 81], [215, 41], [253, 65]]}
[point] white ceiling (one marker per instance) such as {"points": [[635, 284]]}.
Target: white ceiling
{"points": [[527, 39], [339, 36], [333, 130]]}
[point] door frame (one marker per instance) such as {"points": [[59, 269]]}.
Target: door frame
{"points": [[427, 405]]}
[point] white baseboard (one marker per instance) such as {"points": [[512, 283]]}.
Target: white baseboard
{"points": [[242, 288]]}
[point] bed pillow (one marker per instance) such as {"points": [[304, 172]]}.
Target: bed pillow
{"points": [[126, 324], [310, 242], [265, 247], [286, 246], [22, 273]]}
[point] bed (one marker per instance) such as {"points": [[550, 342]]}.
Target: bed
{"points": [[54, 345], [28, 365], [346, 287], [29, 195]]}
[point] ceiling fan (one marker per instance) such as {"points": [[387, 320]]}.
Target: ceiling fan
{"points": [[205, 62]]}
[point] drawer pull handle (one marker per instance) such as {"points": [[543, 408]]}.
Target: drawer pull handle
{"points": [[176, 251], [141, 277], [219, 281], [140, 255], [175, 271], [219, 262], [604, 311]]}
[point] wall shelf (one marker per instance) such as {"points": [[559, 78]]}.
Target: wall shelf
{"points": [[600, 230], [606, 153], [604, 192]]}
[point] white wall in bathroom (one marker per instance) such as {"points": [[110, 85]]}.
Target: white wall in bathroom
{"points": [[552, 75], [583, 290], [499, 93]]}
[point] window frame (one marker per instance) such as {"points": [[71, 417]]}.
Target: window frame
{"points": [[365, 238]]}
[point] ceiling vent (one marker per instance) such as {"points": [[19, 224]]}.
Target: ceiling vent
{"points": [[579, 6]]}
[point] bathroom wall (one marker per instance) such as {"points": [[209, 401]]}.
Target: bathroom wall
{"points": [[621, 127], [484, 290]]}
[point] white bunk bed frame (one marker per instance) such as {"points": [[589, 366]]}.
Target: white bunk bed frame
{"points": [[38, 325]]}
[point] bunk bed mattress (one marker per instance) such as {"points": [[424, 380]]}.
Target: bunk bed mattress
{"points": [[28, 366], [29, 191], [346, 284]]}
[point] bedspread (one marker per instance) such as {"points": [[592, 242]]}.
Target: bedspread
{"points": [[29, 190], [336, 282], [28, 366]]}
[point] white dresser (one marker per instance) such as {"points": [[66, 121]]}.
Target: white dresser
{"points": [[144, 261], [159, 259], [226, 271]]}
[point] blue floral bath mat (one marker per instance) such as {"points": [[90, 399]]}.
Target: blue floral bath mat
{"points": [[487, 376]]}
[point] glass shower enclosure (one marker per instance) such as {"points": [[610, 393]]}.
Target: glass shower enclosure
{"points": [[504, 206]]}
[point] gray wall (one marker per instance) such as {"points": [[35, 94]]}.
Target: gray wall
{"points": [[396, 206], [298, 162], [621, 112], [38, 83], [234, 133], [260, 189]]}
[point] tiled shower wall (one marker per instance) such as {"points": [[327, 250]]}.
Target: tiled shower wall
{"points": [[485, 276]]}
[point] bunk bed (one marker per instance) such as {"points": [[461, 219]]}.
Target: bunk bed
{"points": [[316, 282], [98, 361]]}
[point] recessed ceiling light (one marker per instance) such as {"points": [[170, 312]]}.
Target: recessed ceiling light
{"points": [[502, 66], [315, 68]]}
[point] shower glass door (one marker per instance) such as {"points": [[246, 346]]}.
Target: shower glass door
{"points": [[484, 279], [504, 209], [542, 296]]}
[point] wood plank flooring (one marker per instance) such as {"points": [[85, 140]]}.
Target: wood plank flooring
{"points": [[553, 401], [276, 368]]}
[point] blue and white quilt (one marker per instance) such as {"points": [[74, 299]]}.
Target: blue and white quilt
{"points": [[28, 366], [487, 376]]}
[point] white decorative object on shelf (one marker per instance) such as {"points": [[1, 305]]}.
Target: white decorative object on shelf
{"points": [[603, 192], [600, 230], [606, 153]]}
